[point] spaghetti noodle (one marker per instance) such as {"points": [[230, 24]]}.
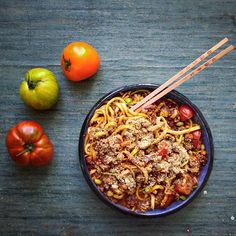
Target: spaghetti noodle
{"points": [[143, 160]]}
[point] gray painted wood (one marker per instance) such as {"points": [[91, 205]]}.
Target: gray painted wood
{"points": [[139, 41]]}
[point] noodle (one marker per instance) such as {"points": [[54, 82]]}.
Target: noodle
{"points": [[138, 159]]}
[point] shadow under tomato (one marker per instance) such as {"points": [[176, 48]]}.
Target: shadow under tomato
{"points": [[83, 87], [42, 171], [31, 180]]}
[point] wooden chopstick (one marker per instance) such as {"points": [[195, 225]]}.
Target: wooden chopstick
{"points": [[188, 76], [180, 73]]}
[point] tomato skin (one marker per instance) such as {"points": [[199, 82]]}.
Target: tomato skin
{"points": [[167, 200], [39, 89], [28, 145], [196, 138], [185, 186], [197, 134], [79, 61], [163, 150], [185, 112]]}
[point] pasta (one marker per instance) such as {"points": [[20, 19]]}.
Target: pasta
{"points": [[145, 159]]}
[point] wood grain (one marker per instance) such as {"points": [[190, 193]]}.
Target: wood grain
{"points": [[139, 41]]}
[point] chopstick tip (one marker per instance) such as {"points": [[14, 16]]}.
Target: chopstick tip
{"points": [[226, 39], [231, 47]]}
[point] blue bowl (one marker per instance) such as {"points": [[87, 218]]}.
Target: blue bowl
{"points": [[207, 140]]}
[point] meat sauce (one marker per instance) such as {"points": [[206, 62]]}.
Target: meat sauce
{"points": [[144, 162]]}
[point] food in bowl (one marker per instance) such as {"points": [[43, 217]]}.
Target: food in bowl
{"points": [[147, 159]]}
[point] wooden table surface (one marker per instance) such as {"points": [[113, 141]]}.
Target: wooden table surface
{"points": [[138, 41]]}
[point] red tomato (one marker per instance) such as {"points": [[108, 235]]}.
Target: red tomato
{"points": [[79, 61], [28, 145], [163, 149], [197, 134], [167, 200], [185, 112], [185, 186], [196, 138]]}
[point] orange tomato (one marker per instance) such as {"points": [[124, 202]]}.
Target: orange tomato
{"points": [[79, 61]]}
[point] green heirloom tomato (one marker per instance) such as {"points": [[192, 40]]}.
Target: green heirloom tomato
{"points": [[39, 89]]}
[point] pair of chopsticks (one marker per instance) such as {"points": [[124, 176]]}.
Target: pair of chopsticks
{"points": [[169, 85]]}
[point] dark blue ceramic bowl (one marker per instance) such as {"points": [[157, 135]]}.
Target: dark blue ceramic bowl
{"points": [[207, 140]]}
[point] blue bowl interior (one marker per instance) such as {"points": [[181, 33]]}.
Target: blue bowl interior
{"points": [[207, 140]]}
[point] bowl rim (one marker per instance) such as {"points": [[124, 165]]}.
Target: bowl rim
{"points": [[83, 164]]}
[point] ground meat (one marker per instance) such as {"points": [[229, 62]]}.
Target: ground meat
{"points": [[188, 145], [158, 197], [126, 178], [170, 138], [137, 161], [194, 164], [114, 142], [143, 205], [104, 167], [130, 202], [152, 117], [107, 159], [107, 149], [163, 166], [181, 150], [161, 177], [109, 180], [146, 141], [202, 158], [140, 178], [165, 111], [129, 136], [101, 147], [139, 123], [151, 150]]}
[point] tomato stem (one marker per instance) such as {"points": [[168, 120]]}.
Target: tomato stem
{"points": [[20, 153], [28, 147], [32, 84], [67, 64]]}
